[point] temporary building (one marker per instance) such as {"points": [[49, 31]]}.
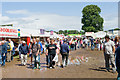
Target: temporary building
{"points": [[100, 34]]}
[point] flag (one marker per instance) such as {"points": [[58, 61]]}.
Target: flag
{"points": [[18, 32], [42, 31], [51, 32]]}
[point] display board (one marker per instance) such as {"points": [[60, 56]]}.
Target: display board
{"points": [[8, 32]]}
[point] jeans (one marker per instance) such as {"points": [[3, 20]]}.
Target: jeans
{"points": [[75, 47], [12, 53], [118, 70], [72, 49], [81, 45], [39, 57], [65, 59], [98, 46], [47, 59], [36, 60], [88, 44], [0, 59], [23, 59], [110, 57], [19, 54], [118, 78], [4, 59], [51, 58], [92, 47]]}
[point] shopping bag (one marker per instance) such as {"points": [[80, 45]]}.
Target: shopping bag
{"points": [[37, 58], [55, 58]]}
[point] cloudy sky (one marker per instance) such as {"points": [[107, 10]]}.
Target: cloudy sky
{"points": [[55, 15]]}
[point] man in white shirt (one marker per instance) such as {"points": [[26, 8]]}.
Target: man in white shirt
{"points": [[86, 42], [109, 51]]}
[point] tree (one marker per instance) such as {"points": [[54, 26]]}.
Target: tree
{"points": [[116, 29], [61, 31], [92, 21]]}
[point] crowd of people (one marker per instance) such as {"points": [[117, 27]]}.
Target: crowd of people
{"points": [[7, 51], [52, 47]]}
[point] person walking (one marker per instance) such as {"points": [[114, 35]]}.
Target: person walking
{"points": [[98, 44], [31, 56], [47, 56], [9, 49], [92, 43], [40, 43], [19, 49], [117, 59], [117, 43], [86, 43], [0, 53], [13, 49], [24, 51], [51, 51], [4, 53], [65, 53], [40, 50], [109, 52], [72, 45], [81, 43], [75, 41], [35, 52]]}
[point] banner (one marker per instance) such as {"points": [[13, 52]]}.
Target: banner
{"points": [[8, 32], [42, 31], [51, 32]]}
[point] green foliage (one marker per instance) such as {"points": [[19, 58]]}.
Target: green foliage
{"points": [[66, 32], [7, 25], [61, 31], [91, 20], [116, 29]]}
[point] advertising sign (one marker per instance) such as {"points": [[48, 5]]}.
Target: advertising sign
{"points": [[8, 32]]}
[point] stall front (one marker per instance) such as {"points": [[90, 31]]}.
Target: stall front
{"points": [[100, 34], [9, 33]]}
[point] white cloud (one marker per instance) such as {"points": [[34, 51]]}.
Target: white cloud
{"points": [[110, 21], [17, 12], [53, 21], [3, 19], [43, 20]]}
